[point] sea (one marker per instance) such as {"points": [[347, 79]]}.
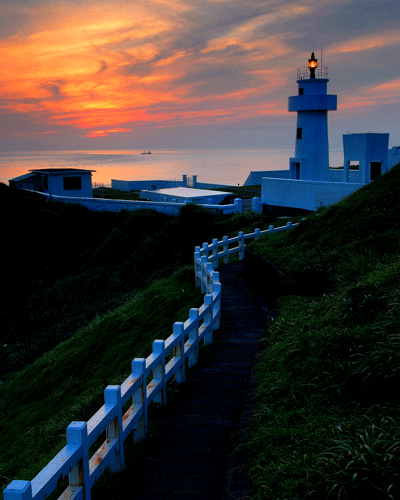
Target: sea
{"points": [[229, 167]]}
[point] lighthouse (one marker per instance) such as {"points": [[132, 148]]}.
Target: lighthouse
{"points": [[311, 161]]}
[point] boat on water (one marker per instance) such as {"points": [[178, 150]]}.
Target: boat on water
{"points": [[146, 153]]}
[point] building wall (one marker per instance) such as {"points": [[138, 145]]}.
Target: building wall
{"points": [[308, 195], [56, 185], [311, 161], [365, 149], [393, 156]]}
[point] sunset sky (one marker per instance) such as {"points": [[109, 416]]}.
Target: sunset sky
{"points": [[93, 74]]}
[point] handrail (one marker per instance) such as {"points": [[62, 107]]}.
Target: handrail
{"points": [[212, 254], [146, 383]]}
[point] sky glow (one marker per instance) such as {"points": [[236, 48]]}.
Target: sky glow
{"points": [[87, 74]]}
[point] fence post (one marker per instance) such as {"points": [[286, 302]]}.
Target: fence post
{"points": [[208, 319], [196, 265], [18, 490], [271, 229], [239, 205], [289, 224], [139, 397], [112, 397], [256, 234], [217, 305], [226, 249], [204, 274], [179, 351], [241, 245], [210, 284], [159, 371], [215, 253], [193, 334], [80, 476], [256, 205]]}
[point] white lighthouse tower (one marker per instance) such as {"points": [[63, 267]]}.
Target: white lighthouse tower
{"points": [[311, 161]]}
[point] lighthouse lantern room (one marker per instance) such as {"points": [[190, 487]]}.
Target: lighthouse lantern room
{"points": [[311, 161]]}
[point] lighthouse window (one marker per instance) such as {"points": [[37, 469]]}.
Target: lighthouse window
{"points": [[301, 91], [299, 133]]}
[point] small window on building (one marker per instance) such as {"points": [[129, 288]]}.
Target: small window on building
{"points": [[72, 183], [299, 133], [45, 182], [354, 165], [301, 91]]}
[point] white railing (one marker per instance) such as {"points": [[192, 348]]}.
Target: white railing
{"points": [[226, 247], [125, 406]]}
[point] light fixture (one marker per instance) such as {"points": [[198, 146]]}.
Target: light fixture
{"points": [[312, 64]]}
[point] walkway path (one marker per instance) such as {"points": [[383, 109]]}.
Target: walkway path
{"points": [[187, 454]]}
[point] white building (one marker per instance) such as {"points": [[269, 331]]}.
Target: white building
{"points": [[186, 195], [74, 182], [310, 183]]}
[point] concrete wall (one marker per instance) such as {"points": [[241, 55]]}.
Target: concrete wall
{"points": [[100, 204], [393, 156], [140, 185], [336, 175], [255, 176], [309, 195], [365, 149]]}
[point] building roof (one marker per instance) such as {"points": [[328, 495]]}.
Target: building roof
{"points": [[185, 192], [22, 177], [61, 171]]}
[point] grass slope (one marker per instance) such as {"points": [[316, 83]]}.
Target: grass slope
{"points": [[86, 293], [327, 417]]}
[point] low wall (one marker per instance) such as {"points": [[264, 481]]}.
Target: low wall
{"points": [[255, 177], [309, 195], [104, 205], [121, 185], [336, 175]]}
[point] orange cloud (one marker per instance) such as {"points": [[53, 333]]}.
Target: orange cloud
{"points": [[105, 133], [367, 42], [105, 67]]}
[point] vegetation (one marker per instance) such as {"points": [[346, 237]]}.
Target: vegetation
{"points": [[115, 194], [92, 291], [86, 293], [327, 417]]}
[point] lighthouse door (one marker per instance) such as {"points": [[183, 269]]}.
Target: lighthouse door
{"points": [[297, 171], [375, 169]]}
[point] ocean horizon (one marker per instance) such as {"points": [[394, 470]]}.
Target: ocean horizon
{"points": [[227, 166]]}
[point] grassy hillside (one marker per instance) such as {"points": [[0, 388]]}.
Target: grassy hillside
{"points": [[63, 265], [86, 293], [328, 415]]}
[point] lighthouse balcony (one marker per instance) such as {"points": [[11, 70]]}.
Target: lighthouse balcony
{"points": [[313, 103], [303, 73]]}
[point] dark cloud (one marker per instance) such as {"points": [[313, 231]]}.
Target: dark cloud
{"points": [[54, 90]]}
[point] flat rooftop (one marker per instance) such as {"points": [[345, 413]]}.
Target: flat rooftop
{"points": [[185, 195], [185, 192]]}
